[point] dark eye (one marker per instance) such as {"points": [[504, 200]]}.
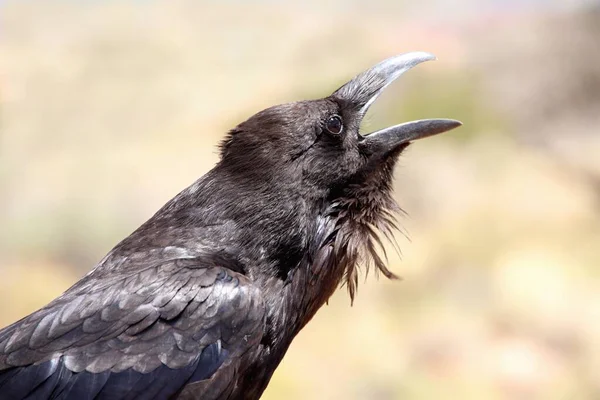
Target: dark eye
{"points": [[334, 125]]}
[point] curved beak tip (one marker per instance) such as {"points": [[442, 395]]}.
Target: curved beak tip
{"points": [[426, 56], [453, 123], [424, 128], [365, 87]]}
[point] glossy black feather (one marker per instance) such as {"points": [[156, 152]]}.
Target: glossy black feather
{"points": [[138, 349]]}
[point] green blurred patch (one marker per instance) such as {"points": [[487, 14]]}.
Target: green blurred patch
{"points": [[456, 94]]}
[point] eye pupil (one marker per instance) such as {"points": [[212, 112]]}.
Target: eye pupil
{"points": [[334, 124]]}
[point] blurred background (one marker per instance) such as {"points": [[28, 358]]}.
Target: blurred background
{"points": [[109, 108]]}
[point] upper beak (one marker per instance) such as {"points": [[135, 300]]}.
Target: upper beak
{"points": [[364, 89]]}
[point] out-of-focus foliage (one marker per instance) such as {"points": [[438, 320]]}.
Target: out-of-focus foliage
{"points": [[107, 109]]}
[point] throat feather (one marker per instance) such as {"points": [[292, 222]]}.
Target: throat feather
{"points": [[364, 223]]}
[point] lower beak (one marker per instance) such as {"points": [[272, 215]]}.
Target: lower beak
{"points": [[387, 139], [364, 89]]}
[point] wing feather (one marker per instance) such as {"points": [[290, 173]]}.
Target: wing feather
{"points": [[146, 335]]}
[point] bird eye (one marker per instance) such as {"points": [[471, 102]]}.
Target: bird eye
{"points": [[334, 125]]}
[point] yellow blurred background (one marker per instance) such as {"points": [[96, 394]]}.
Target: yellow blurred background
{"points": [[109, 108]]}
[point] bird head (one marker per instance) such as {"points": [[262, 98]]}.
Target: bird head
{"points": [[318, 143], [312, 155]]}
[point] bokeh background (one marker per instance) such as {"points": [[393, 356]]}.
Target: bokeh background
{"points": [[109, 108]]}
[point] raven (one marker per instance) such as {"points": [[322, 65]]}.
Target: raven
{"points": [[203, 300]]}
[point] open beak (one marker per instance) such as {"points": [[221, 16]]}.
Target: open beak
{"points": [[364, 89]]}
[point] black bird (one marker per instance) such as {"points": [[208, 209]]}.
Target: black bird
{"points": [[203, 300]]}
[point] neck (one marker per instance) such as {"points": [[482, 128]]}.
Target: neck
{"points": [[292, 242], [267, 225]]}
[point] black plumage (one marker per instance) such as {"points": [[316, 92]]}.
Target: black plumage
{"points": [[203, 300]]}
